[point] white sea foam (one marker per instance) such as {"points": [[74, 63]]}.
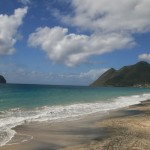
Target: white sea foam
{"points": [[15, 117], [6, 135]]}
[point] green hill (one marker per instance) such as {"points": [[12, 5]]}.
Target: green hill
{"points": [[137, 75], [2, 79]]}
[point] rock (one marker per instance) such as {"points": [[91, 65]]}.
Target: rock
{"points": [[2, 79]]}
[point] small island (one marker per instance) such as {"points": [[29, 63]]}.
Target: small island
{"points": [[137, 75], [2, 80]]}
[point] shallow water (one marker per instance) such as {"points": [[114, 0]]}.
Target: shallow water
{"points": [[30, 103]]}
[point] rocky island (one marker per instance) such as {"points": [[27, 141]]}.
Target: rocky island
{"points": [[137, 75], [2, 80]]}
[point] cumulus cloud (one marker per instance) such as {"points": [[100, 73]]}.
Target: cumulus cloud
{"points": [[145, 57], [8, 30], [72, 49], [110, 16], [112, 25]]}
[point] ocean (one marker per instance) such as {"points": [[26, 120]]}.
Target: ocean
{"points": [[20, 103]]}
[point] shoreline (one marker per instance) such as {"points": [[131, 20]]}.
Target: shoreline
{"points": [[125, 129], [91, 132]]}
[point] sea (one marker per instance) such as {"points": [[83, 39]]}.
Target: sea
{"points": [[23, 103]]}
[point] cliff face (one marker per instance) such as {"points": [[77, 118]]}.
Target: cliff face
{"points": [[2, 79], [134, 75]]}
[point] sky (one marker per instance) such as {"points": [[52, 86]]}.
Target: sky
{"points": [[71, 42]]}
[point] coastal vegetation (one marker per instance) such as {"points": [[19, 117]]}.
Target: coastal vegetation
{"points": [[137, 75]]}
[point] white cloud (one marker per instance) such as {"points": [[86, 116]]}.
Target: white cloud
{"points": [[145, 57], [8, 30], [19, 74], [88, 76], [112, 25], [92, 74], [110, 16], [72, 49]]}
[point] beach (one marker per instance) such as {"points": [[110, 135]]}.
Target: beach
{"points": [[123, 129], [127, 129], [74, 75]]}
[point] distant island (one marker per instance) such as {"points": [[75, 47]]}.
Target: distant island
{"points": [[2, 79], [137, 75]]}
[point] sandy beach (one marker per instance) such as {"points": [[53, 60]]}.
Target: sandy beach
{"points": [[125, 129]]}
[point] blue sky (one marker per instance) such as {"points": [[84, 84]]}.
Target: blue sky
{"points": [[71, 42]]}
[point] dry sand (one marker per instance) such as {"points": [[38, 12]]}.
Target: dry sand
{"points": [[126, 129], [129, 131]]}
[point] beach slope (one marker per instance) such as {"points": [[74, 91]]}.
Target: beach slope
{"points": [[125, 129]]}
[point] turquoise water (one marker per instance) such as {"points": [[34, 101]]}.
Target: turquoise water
{"points": [[31, 103], [31, 96]]}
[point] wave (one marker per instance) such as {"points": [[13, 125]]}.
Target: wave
{"points": [[14, 117]]}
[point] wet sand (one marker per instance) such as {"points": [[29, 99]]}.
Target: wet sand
{"points": [[125, 129]]}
